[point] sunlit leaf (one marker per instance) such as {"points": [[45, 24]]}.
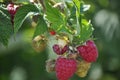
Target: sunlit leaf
{"points": [[86, 30], [54, 16], [77, 5]]}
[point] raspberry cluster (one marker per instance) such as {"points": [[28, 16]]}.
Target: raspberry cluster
{"points": [[12, 10], [76, 60], [73, 57]]}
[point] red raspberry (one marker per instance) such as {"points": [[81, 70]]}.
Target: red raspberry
{"points": [[88, 52], [59, 50], [52, 32], [65, 68], [12, 10]]}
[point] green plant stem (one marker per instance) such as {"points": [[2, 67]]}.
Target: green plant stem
{"points": [[80, 21], [78, 25]]}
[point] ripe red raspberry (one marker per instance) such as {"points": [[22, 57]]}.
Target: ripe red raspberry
{"points": [[12, 10], [65, 68], [52, 32], [59, 50], [88, 52]]}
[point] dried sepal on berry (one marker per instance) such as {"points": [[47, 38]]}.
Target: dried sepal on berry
{"points": [[72, 56], [62, 42], [50, 65], [62, 39], [82, 68], [39, 43]]}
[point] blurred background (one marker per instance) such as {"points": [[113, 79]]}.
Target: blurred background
{"points": [[19, 61]]}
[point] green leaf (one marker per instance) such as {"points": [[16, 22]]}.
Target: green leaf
{"points": [[77, 5], [86, 30], [41, 27], [22, 13], [85, 33], [66, 29], [54, 16], [6, 28]]}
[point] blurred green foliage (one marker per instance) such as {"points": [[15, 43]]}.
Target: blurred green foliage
{"points": [[20, 62]]}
